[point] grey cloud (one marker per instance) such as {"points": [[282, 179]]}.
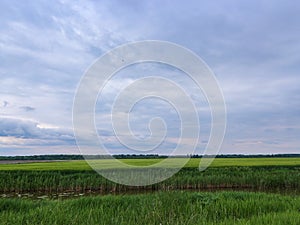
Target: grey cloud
{"points": [[253, 47], [27, 129], [27, 108], [5, 104]]}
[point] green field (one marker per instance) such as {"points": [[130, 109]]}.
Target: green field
{"points": [[269, 178], [231, 191], [190, 208], [106, 163]]}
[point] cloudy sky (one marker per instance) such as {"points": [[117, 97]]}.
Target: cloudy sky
{"points": [[253, 47]]}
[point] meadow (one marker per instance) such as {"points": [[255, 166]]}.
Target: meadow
{"points": [[230, 191], [172, 208], [192, 163]]}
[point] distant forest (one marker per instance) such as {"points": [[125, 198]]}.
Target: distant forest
{"points": [[130, 156]]}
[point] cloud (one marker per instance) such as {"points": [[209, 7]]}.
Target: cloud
{"points": [[5, 104], [19, 131], [27, 108], [253, 48]]}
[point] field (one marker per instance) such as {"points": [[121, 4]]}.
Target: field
{"points": [[193, 163], [172, 208], [231, 191]]}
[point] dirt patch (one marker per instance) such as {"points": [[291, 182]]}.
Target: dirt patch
{"points": [[27, 161]]}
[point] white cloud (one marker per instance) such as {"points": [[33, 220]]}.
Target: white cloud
{"points": [[252, 46]]}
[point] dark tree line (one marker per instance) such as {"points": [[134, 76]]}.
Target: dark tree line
{"points": [[132, 156]]}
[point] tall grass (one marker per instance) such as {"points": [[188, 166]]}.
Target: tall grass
{"points": [[189, 208], [257, 178]]}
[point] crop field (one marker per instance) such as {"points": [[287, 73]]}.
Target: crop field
{"points": [[192, 163], [230, 191]]}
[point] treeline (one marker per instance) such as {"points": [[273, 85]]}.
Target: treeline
{"points": [[134, 156], [81, 157], [250, 156]]}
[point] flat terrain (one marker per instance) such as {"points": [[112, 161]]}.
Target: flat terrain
{"points": [[106, 163], [231, 191], [27, 161], [173, 208]]}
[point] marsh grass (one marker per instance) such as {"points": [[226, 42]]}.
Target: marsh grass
{"points": [[57, 181], [179, 207], [159, 204]]}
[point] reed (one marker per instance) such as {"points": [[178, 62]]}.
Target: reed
{"points": [[179, 207], [56, 181]]}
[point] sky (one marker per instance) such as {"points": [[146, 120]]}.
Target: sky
{"points": [[253, 47]]}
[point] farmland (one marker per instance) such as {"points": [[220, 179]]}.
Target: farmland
{"points": [[192, 163], [230, 191]]}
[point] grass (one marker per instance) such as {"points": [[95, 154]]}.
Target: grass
{"points": [[77, 176], [190, 208], [171, 203], [193, 163], [256, 178]]}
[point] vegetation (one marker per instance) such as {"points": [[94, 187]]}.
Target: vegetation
{"points": [[157, 208], [168, 202], [131, 156], [193, 163], [55, 181]]}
